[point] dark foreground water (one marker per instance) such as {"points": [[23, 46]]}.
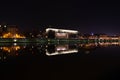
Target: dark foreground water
{"points": [[93, 61]]}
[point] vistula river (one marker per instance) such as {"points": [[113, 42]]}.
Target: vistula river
{"points": [[34, 61]]}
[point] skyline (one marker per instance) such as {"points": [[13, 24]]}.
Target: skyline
{"points": [[38, 28], [85, 16]]}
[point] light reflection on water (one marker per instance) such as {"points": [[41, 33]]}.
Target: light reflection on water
{"points": [[16, 49], [85, 61]]}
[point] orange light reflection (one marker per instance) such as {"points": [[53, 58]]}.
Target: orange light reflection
{"points": [[10, 35]]}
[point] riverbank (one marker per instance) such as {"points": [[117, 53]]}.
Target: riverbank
{"points": [[38, 40]]}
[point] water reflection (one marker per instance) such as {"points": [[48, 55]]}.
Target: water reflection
{"points": [[17, 49], [11, 49], [60, 49]]}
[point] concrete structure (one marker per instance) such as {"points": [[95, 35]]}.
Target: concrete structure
{"points": [[61, 33]]}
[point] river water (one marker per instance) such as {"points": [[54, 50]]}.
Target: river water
{"points": [[34, 61]]}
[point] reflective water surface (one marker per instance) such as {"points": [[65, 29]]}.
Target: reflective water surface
{"points": [[85, 61]]}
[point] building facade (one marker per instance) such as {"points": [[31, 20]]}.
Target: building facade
{"points": [[61, 33]]}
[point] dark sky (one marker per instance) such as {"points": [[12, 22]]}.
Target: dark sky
{"points": [[84, 15]]}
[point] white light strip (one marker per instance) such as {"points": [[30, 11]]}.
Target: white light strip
{"points": [[63, 52], [61, 30]]}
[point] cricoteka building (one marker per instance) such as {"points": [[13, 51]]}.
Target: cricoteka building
{"points": [[61, 33]]}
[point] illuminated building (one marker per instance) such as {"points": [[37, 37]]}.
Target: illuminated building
{"points": [[104, 37], [61, 33], [11, 35], [11, 31]]}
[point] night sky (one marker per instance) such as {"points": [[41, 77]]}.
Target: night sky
{"points": [[86, 16]]}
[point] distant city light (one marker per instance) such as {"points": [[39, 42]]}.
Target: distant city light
{"points": [[15, 43], [15, 40], [10, 49], [92, 34], [11, 35], [5, 26]]}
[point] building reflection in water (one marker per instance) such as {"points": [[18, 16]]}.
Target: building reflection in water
{"points": [[106, 44], [8, 49], [60, 49], [15, 49], [11, 49], [52, 50]]}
